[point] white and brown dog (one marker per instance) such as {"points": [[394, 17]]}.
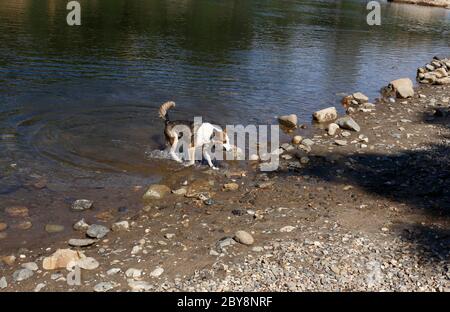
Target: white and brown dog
{"points": [[203, 135]]}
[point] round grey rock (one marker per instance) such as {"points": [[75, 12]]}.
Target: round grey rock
{"points": [[97, 231], [22, 274], [83, 242]]}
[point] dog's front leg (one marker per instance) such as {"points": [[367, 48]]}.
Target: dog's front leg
{"points": [[208, 159], [191, 157], [173, 149]]}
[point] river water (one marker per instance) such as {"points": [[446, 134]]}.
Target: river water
{"points": [[78, 104]]}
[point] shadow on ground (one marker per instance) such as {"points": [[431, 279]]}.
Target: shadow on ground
{"points": [[418, 178]]}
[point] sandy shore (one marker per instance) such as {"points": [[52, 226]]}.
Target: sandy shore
{"points": [[370, 214]]}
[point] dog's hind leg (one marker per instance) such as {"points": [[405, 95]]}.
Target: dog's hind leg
{"points": [[208, 159]]}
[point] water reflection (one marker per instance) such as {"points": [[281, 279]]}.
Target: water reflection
{"points": [[84, 98]]}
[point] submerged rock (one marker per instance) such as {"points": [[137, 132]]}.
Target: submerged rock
{"points": [[17, 211], [97, 231], [81, 226], [54, 228], [3, 226], [24, 225], [82, 204], [156, 191], [40, 184], [304, 160]]}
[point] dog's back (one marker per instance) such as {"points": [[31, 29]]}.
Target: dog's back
{"points": [[170, 125]]}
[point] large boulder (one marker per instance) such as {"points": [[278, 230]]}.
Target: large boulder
{"points": [[325, 115], [403, 87], [61, 258]]}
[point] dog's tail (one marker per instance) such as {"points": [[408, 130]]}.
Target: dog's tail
{"points": [[163, 110]]}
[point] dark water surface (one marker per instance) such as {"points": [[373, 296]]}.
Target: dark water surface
{"points": [[78, 104]]}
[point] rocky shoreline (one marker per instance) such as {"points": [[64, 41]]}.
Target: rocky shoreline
{"points": [[432, 3], [360, 205]]}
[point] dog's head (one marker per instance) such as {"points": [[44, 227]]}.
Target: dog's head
{"points": [[223, 138]]}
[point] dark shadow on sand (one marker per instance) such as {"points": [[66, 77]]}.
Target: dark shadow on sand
{"points": [[418, 178]]}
